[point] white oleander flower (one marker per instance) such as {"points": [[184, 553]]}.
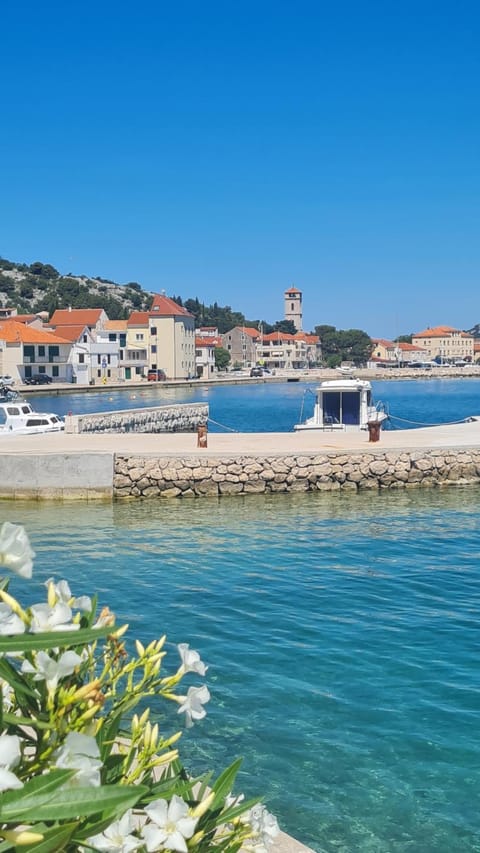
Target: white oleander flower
{"points": [[171, 825], [80, 752], [191, 661], [10, 622], [192, 704], [116, 838], [51, 671], [15, 551], [64, 595], [10, 755], [56, 618]]}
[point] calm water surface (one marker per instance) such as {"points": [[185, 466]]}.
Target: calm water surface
{"points": [[265, 407], [342, 639]]}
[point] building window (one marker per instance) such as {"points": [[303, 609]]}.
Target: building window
{"points": [[85, 339], [112, 336], [99, 374], [139, 336], [55, 370], [81, 358], [99, 359], [153, 330], [120, 355], [41, 350], [154, 347]]}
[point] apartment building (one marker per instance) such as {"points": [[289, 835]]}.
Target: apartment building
{"points": [[241, 343], [172, 338], [445, 343], [26, 350]]}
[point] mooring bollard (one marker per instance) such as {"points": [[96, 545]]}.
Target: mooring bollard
{"points": [[374, 430], [202, 430]]}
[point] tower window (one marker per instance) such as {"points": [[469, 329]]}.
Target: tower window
{"points": [[293, 307]]}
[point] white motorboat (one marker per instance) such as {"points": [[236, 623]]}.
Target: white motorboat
{"points": [[18, 418], [344, 404]]}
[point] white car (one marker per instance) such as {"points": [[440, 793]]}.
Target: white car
{"points": [[6, 380]]}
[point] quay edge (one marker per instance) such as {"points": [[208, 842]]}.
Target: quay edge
{"points": [[61, 466]]}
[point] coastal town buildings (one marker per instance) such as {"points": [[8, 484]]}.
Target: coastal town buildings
{"points": [[240, 342], [445, 343], [395, 354], [171, 338], [280, 350], [206, 340], [26, 350]]}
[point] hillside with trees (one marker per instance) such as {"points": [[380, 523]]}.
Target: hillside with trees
{"points": [[40, 287], [32, 288]]}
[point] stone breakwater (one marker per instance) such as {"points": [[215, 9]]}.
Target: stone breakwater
{"points": [[179, 418], [201, 475]]}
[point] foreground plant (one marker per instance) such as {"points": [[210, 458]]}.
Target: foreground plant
{"points": [[80, 767]]}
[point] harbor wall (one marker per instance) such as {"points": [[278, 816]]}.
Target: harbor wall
{"points": [[200, 475], [177, 418]]}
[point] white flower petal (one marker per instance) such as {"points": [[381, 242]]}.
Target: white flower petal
{"points": [[10, 751], [15, 551], [8, 780]]}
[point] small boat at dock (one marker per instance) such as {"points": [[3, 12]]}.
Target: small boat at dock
{"points": [[344, 404], [17, 417]]}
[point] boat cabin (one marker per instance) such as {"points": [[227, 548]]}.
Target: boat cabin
{"points": [[343, 404]]}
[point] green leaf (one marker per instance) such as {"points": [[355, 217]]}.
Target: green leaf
{"points": [[67, 803], [224, 784], [45, 784], [54, 838], [52, 640]]}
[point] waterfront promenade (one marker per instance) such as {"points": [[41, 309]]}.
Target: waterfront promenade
{"points": [[102, 466]]}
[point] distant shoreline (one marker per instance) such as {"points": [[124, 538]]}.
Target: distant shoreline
{"points": [[313, 375]]}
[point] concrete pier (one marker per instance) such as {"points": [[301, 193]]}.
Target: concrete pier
{"points": [[85, 466]]}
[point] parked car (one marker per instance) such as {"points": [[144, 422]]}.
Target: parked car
{"points": [[6, 380], [156, 375], [256, 371], [38, 379]]}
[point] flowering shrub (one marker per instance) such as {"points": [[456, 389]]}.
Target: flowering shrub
{"points": [[79, 768]]}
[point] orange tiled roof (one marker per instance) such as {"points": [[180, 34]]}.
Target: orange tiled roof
{"points": [[309, 339], [440, 332], [292, 290], [22, 318], [404, 347], [165, 307], [279, 336], [250, 331], [208, 342], [76, 316], [116, 325], [138, 318], [13, 332], [70, 333]]}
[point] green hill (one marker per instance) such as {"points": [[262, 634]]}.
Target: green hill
{"points": [[40, 287]]}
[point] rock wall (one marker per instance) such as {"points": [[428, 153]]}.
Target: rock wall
{"points": [[200, 475], [178, 418]]}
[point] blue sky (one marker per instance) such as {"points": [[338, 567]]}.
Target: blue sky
{"points": [[230, 150]]}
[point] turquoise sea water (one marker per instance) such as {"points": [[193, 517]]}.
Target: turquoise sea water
{"points": [[265, 407], [341, 633]]}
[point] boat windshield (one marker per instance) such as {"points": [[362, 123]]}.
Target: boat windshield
{"points": [[341, 407]]}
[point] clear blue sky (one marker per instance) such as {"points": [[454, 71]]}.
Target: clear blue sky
{"points": [[230, 150]]}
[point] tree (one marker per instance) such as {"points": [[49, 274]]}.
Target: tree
{"points": [[286, 326], [222, 358], [403, 339], [344, 345]]}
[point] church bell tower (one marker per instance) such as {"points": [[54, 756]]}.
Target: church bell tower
{"points": [[293, 307]]}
